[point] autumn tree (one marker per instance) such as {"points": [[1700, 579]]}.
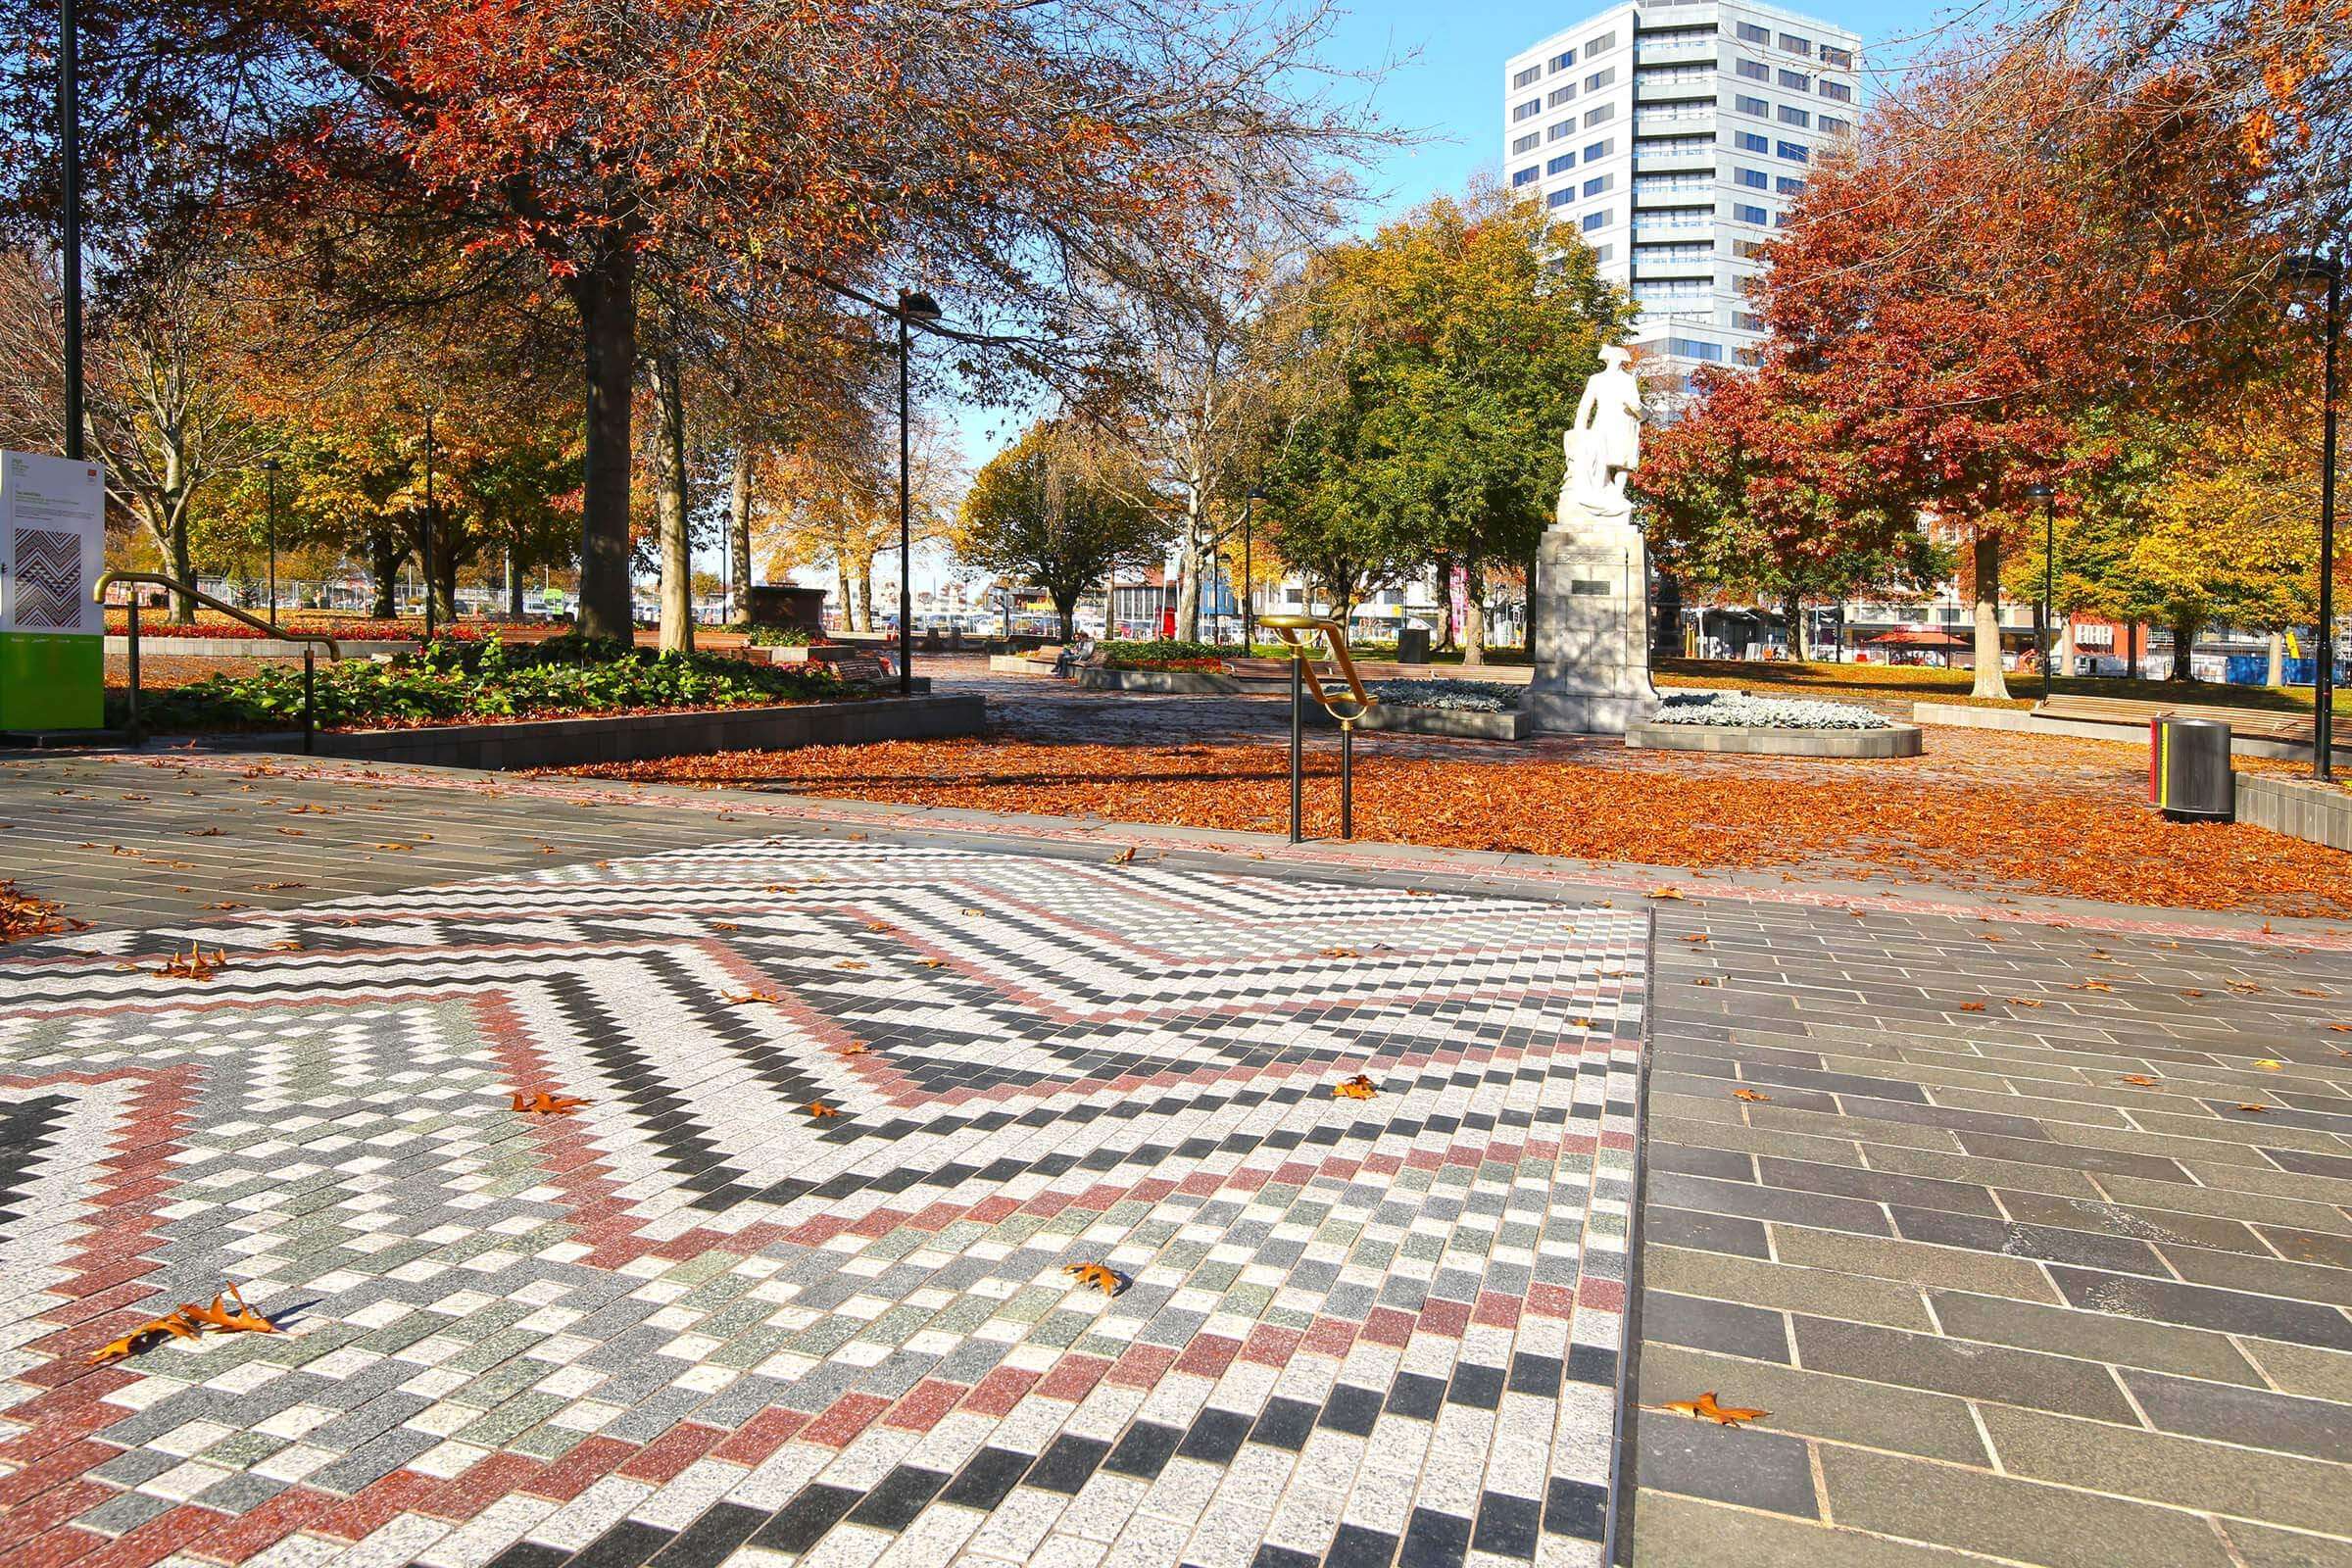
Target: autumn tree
{"points": [[1440, 360], [1009, 156], [1059, 509], [832, 501]]}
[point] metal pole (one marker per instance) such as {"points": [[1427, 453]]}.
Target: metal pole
{"points": [[430, 506], [1346, 779], [68, 137], [309, 724], [2049, 579], [271, 471], [906, 592], [1249, 578], [1297, 735], [132, 721], [2322, 688]]}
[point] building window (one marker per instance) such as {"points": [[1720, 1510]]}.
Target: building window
{"points": [[1524, 177], [1747, 250], [1594, 221], [1561, 131], [1831, 126], [1600, 78], [1560, 164], [1838, 93], [1748, 320], [1527, 75], [1527, 111], [1752, 178], [1780, 219], [1791, 115], [1524, 144], [1796, 81], [1596, 184], [1559, 95], [1564, 61], [1795, 152], [1789, 185], [1796, 45], [1560, 198], [1750, 106], [1690, 348], [1749, 32], [1600, 44], [1750, 214], [1842, 59], [1753, 70], [1600, 149], [1750, 142], [1601, 116], [1602, 253]]}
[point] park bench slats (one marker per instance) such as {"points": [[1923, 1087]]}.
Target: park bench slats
{"points": [[2244, 722]]}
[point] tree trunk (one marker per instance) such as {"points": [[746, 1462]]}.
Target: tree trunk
{"points": [[864, 582], [444, 588], [514, 587], [386, 552], [2276, 674], [2062, 660], [1474, 618], [844, 617], [1988, 682], [1066, 610], [2184, 642], [675, 543], [1447, 631], [739, 533], [1801, 643], [606, 297], [1189, 563]]}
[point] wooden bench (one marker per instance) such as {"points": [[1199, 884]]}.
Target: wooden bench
{"points": [[2249, 722]]}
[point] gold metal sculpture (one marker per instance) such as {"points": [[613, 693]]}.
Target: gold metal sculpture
{"points": [[1346, 707]]}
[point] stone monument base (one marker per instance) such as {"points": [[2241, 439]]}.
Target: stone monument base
{"points": [[1592, 642]]}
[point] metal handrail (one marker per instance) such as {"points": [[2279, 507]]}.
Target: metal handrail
{"points": [[1304, 675], [107, 579]]}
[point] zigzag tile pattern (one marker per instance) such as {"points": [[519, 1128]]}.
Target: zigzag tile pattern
{"points": [[692, 1323], [49, 585]]}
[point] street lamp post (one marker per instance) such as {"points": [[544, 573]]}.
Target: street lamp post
{"points": [[431, 507], [269, 467], [1248, 571], [912, 308], [2047, 494], [69, 142], [2330, 269]]}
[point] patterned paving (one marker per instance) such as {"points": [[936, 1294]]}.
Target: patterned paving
{"points": [[693, 1323]]}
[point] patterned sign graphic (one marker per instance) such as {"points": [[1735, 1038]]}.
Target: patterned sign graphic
{"points": [[49, 585]]}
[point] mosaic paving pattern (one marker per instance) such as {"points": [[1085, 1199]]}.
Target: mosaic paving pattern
{"points": [[693, 1324]]}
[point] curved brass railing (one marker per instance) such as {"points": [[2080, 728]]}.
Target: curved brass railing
{"points": [[107, 579], [1347, 708]]}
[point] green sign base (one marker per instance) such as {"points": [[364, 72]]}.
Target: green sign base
{"points": [[51, 680]]}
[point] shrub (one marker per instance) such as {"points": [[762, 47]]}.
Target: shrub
{"points": [[1160, 652], [1450, 696], [449, 682]]}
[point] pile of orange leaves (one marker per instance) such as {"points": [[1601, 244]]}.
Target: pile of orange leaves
{"points": [[228, 1314], [194, 965], [23, 917]]}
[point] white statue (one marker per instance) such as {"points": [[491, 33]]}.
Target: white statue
{"points": [[1604, 444]]}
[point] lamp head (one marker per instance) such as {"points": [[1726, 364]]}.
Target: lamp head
{"points": [[272, 465], [917, 306], [2310, 267]]}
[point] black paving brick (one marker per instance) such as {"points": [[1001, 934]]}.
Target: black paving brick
{"points": [[1709, 1325]]}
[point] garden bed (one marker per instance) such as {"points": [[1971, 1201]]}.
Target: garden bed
{"points": [[1192, 682], [1743, 723]]}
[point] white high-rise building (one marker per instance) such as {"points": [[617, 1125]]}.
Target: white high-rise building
{"points": [[1674, 138]]}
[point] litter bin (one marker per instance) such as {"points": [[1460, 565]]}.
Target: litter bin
{"points": [[2189, 769], [1412, 644]]}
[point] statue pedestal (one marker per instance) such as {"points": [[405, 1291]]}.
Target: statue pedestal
{"points": [[1592, 642]]}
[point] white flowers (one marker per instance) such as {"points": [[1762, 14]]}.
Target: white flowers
{"points": [[1746, 710]]}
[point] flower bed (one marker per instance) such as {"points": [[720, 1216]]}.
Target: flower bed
{"points": [[152, 624], [1448, 696], [1741, 710], [1210, 666], [487, 681]]}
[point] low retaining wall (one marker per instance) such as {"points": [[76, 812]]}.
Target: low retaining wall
{"points": [[2025, 721], [1511, 725], [2297, 807], [251, 647], [1899, 739], [1019, 665], [1192, 682], [636, 737]]}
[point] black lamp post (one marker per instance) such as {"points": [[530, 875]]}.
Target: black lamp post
{"points": [[69, 144], [432, 510], [2047, 496], [912, 308], [269, 467], [1248, 571], [2331, 270]]}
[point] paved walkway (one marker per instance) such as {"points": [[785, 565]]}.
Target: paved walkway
{"points": [[1963, 1196]]}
